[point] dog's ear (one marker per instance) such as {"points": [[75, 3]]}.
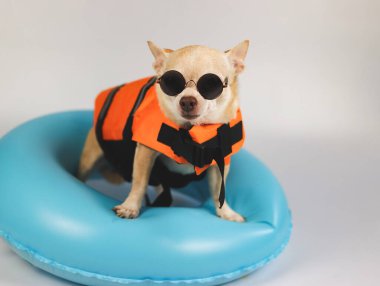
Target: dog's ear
{"points": [[159, 54], [236, 56]]}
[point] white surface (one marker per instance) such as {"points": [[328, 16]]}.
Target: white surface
{"points": [[310, 98]]}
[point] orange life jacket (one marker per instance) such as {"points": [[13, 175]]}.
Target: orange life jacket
{"points": [[131, 113]]}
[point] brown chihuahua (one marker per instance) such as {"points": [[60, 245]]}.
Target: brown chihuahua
{"points": [[188, 106]]}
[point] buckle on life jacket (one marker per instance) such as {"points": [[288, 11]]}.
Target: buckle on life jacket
{"points": [[197, 154], [216, 148], [183, 145]]}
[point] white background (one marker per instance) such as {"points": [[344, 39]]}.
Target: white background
{"points": [[310, 98]]}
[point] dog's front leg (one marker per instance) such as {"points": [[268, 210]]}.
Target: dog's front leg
{"points": [[142, 166], [215, 182]]}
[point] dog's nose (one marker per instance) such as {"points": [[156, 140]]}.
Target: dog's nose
{"points": [[188, 103]]}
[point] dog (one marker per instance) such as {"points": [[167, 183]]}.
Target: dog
{"points": [[186, 105]]}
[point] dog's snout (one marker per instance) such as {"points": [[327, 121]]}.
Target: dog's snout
{"points": [[188, 103]]}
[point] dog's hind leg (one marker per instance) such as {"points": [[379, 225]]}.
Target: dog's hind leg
{"points": [[90, 156]]}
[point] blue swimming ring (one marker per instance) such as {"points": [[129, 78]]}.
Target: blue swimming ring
{"points": [[65, 227]]}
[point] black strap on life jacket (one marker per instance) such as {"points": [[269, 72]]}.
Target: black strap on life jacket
{"points": [[127, 132], [216, 148], [103, 112]]}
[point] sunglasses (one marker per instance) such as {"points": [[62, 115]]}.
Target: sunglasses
{"points": [[209, 85]]}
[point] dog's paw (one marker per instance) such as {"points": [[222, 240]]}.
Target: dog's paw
{"points": [[127, 210], [229, 214]]}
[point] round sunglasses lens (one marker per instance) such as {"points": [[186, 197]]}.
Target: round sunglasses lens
{"points": [[172, 82], [210, 86]]}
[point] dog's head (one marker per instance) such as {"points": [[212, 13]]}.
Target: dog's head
{"points": [[197, 84]]}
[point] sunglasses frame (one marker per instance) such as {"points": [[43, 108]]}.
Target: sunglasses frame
{"points": [[224, 83]]}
